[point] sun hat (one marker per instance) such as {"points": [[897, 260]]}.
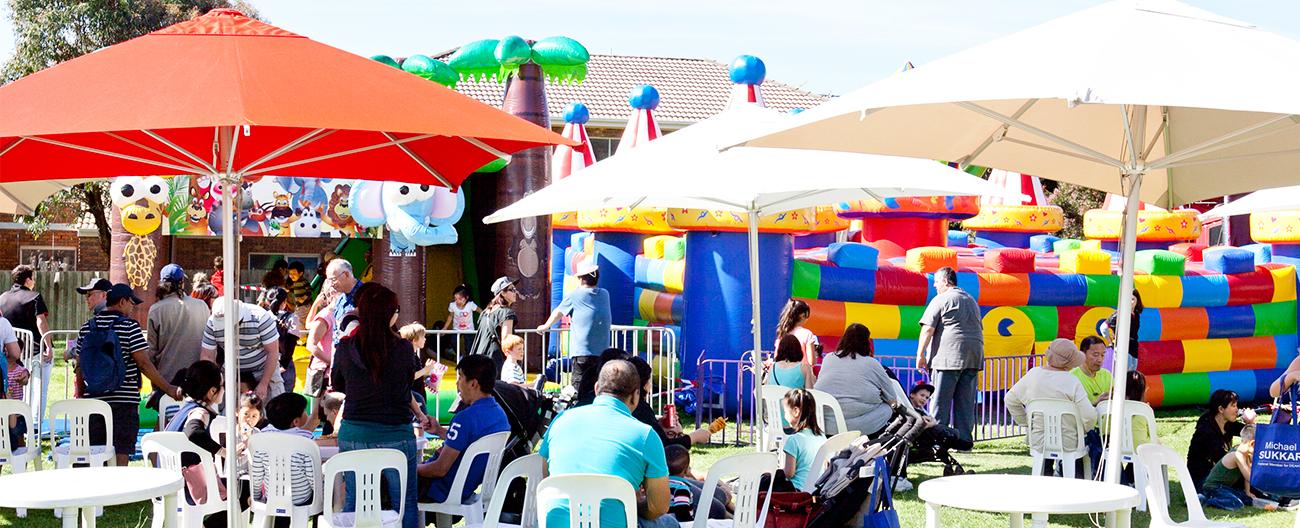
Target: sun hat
{"points": [[586, 267], [502, 283], [1062, 354]]}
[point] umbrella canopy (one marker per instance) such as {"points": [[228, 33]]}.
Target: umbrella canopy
{"points": [[230, 97], [1278, 199], [685, 169], [1195, 104], [22, 198], [151, 105]]}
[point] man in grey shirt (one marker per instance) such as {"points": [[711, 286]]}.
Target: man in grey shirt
{"points": [[952, 345], [176, 323]]}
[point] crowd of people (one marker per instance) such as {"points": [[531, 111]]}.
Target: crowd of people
{"points": [[368, 379]]}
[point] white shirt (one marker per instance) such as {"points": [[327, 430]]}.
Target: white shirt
{"points": [[511, 372], [1041, 383], [462, 318]]}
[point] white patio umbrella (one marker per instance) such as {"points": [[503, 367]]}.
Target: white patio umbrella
{"points": [[685, 169], [1148, 99], [22, 198], [1277, 199]]}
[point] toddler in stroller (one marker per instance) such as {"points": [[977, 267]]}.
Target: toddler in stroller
{"points": [[934, 442]]}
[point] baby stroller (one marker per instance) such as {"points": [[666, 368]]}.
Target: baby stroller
{"points": [[530, 413], [933, 445], [844, 487]]}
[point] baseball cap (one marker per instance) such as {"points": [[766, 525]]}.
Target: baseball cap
{"points": [[586, 267], [95, 284], [922, 386], [121, 291], [172, 272], [501, 284]]}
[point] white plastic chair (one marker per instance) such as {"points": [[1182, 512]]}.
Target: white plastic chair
{"points": [[825, 401], [367, 466], [167, 409], [490, 446], [165, 449], [35, 393], [748, 469], [1154, 458], [528, 467], [829, 448], [773, 411], [1051, 414], [17, 458], [279, 449], [585, 491], [1127, 453], [79, 450]]}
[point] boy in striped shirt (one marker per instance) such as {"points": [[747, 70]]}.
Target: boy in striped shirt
{"points": [[287, 414]]}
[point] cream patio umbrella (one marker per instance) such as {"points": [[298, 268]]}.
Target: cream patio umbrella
{"points": [[685, 170], [1150, 99]]}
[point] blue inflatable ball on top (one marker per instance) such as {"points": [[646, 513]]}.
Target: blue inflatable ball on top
{"points": [[796, 111], [644, 97], [577, 113], [748, 69]]}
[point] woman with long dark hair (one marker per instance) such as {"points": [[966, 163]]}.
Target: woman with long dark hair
{"points": [[1111, 328], [790, 322], [374, 367], [788, 367], [276, 301], [1212, 437], [859, 382]]}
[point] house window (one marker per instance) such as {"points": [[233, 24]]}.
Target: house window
{"points": [[49, 258], [604, 147], [264, 261]]}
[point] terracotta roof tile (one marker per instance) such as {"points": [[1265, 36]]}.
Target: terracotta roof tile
{"points": [[690, 90]]}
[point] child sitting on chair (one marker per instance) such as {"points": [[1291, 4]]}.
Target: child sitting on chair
{"points": [[288, 415], [684, 489], [801, 447]]}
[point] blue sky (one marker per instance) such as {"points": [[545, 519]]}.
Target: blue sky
{"points": [[828, 46]]}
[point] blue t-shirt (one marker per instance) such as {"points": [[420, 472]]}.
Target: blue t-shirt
{"points": [[480, 419], [803, 446], [601, 438], [589, 328]]}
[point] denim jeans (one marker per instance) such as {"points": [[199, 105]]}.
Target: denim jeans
{"points": [[954, 395], [1225, 498], [411, 516]]}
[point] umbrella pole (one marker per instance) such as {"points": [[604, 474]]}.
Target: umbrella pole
{"points": [[229, 254], [754, 295], [1128, 247]]}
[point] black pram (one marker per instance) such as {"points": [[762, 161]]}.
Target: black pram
{"points": [[844, 487], [934, 444]]}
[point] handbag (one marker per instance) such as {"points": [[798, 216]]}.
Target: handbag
{"points": [[1275, 467], [880, 512], [787, 509]]}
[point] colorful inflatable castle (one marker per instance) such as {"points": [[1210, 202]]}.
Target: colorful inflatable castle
{"points": [[1214, 318]]}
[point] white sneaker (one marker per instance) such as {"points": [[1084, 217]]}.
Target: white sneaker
{"points": [[902, 486]]}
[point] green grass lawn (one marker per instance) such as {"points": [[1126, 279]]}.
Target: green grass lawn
{"points": [[998, 456]]}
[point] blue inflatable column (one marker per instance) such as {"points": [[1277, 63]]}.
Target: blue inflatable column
{"points": [[561, 239], [616, 257], [718, 308]]}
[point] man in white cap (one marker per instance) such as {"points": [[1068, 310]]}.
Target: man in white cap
{"points": [[96, 294], [588, 309]]}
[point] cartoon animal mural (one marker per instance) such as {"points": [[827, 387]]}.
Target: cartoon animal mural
{"points": [[142, 202], [338, 214], [415, 215], [280, 215], [308, 222]]}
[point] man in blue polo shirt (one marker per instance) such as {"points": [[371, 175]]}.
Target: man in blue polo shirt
{"points": [[604, 438], [480, 416]]}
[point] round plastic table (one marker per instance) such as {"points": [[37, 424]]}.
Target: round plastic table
{"points": [[84, 489], [1018, 495]]}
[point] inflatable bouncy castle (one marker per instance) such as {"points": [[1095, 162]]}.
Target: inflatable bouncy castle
{"points": [[1215, 317]]}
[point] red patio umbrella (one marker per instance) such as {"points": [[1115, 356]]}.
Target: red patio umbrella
{"points": [[228, 96]]}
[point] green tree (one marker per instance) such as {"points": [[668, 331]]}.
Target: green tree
{"points": [[48, 32], [1074, 200]]}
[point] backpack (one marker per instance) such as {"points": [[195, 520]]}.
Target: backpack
{"points": [[102, 364]]}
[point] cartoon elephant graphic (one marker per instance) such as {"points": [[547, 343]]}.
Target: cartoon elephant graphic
{"points": [[415, 215]]}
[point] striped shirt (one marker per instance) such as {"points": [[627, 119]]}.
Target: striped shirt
{"points": [[299, 464], [131, 338], [256, 330]]}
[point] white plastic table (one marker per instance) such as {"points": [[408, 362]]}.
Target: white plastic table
{"points": [[86, 488], [1021, 494]]}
